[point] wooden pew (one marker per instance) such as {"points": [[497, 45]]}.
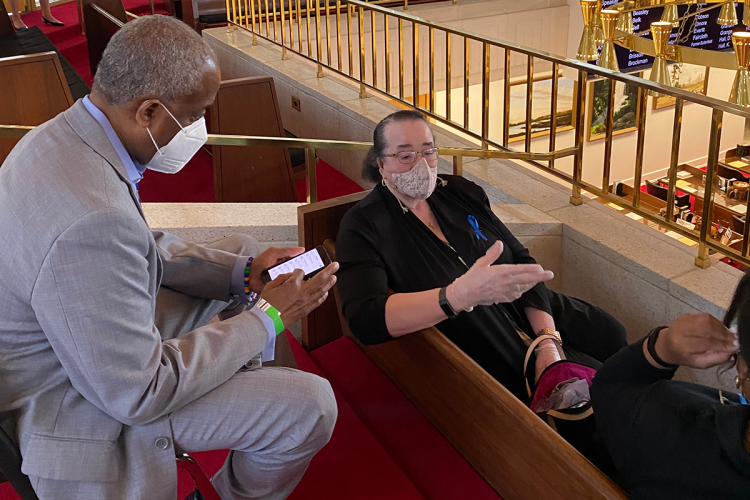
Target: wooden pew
{"points": [[200, 14], [102, 19], [318, 222], [518, 454], [34, 91], [6, 25], [249, 106], [720, 214]]}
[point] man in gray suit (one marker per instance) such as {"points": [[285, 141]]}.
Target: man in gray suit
{"points": [[107, 363]]}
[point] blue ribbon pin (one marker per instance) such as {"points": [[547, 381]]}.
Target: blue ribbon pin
{"points": [[475, 225], [742, 399]]}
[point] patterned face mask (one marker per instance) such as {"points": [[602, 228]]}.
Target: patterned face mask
{"points": [[419, 182]]}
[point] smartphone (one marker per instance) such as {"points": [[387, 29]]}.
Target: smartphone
{"points": [[310, 262]]}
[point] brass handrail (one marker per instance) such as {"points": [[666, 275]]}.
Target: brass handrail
{"points": [[311, 146]]}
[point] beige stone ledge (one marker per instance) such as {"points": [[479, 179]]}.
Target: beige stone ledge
{"points": [[269, 223], [525, 220]]}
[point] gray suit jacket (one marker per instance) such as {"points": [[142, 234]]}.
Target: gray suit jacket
{"points": [[84, 374]]}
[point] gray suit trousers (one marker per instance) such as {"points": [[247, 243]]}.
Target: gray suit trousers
{"points": [[274, 419]]}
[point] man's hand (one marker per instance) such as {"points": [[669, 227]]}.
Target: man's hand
{"points": [[269, 258], [295, 298], [697, 341]]}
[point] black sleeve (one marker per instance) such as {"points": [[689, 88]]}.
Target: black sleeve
{"points": [[621, 386], [630, 367], [537, 297], [641, 417], [362, 280]]}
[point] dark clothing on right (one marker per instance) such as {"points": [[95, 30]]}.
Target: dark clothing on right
{"points": [[670, 439]]}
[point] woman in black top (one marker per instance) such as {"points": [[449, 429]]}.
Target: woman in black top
{"points": [[453, 264], [671, 439]]}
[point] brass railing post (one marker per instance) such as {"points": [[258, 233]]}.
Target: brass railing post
{"points": [[361, 18], [609, 131], [448, 76], [529, 101], [252, 13], [458, 165], [580, 116], [415, 73], [703, 260], [400, 58], [506, 99], [312, 180], [485, 94], [318, 40], [674, 160], [640, 148], [553, 112]]}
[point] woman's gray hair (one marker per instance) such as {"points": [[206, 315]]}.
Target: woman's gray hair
{"points": [[157, 57]]}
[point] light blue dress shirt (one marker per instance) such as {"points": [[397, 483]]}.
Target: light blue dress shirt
{"points": [[135, 173]]}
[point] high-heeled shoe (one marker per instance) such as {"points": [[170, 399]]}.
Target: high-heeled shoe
{"points": [[52, 23]]}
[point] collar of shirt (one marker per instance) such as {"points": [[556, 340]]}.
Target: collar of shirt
{"points": [[135, 170]]}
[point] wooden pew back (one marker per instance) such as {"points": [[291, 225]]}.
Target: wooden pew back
{"points": [[34, 91], [318, 222], [249, 106], [6, 26], [102, 19], [518, 454]]}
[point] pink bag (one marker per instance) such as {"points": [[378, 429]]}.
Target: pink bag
{"points": [[553, 375]]}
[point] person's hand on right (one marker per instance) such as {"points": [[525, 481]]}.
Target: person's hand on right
{"points": [[295, 298], [697, 341], [485, 284]]}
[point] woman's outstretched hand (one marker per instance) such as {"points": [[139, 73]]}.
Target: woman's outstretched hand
{"points": [[697, 341], [485, 284]]}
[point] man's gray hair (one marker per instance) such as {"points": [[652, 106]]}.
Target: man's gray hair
{"points": [[157, 57]]}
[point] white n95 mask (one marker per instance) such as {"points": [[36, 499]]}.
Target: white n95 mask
{"points": [[171, 158], [419, 182]]}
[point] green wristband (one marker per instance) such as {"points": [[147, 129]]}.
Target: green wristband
{"points": [[275, 316]]}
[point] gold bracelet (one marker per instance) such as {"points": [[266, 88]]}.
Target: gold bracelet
{"points": [[550, 331]]}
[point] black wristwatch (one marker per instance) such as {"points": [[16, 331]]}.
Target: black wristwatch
{"points": [[651, 346], [444, 304]]}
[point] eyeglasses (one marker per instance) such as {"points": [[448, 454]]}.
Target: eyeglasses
{"points": [[407, 157]]}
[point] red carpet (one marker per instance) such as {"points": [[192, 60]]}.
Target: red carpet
{"points": [[437, 470]]}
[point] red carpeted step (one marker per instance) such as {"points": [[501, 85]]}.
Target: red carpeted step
{"points": [[352, 466], [437, 470], [331, 184]]}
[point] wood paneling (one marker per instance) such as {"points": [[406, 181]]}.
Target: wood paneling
{"points": [[318, 222], [100, 28], [518, 454], [249, 106], [34, 90]]}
